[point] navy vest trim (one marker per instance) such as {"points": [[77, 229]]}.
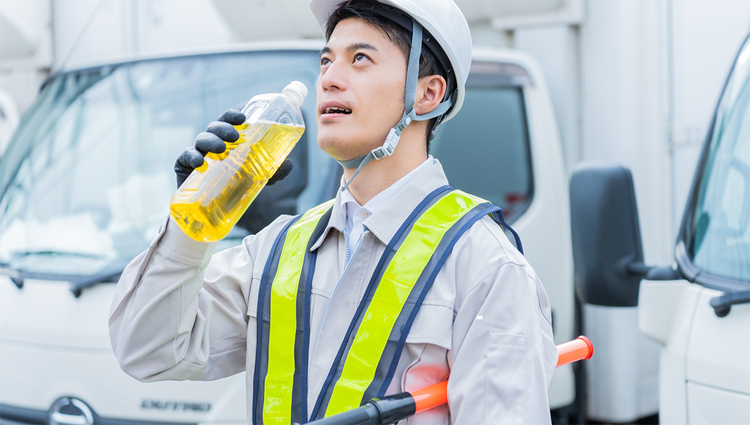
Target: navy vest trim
{"points": [[335, 373], [263, 322], [392, 353], [302, 336], [509, 232]]}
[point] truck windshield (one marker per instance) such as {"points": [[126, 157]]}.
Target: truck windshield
{"points": [[721, 218], [87, 179]]}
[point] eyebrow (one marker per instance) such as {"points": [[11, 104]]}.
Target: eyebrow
{"points": [[351, 47]]}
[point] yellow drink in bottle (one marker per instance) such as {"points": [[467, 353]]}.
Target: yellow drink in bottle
{"points": [[215, 195]]}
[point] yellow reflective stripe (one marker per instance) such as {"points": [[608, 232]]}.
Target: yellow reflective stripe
{"points": [[390, 296], [277, 405]]}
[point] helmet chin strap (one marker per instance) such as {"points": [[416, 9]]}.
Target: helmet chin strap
{"points": [[410, 115]]}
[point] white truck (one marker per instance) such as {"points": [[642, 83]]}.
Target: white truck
{"points": [[87, 179], [697, 308]]}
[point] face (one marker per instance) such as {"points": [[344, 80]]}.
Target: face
{"points": [[360, 90]]}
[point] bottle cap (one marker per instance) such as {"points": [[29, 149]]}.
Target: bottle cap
{"points": [[295, 92]]}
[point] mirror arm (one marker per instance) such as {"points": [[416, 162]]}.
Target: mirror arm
{"points": [[637, 268], [664, 273]]}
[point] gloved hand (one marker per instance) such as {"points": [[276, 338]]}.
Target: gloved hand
{"points": [[212, 140]]}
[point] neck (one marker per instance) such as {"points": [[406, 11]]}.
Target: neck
{"points": [[379, 174]]}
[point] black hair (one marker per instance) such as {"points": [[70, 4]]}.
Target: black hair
{"points": [[368, 11]]}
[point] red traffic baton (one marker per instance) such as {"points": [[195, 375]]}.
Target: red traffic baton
{"points": [[580, 348], [393, 408]]}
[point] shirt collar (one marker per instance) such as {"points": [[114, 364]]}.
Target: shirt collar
{"points": [[350, 205], [390, 208]]}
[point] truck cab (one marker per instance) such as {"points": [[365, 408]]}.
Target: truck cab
{"points": [[87, 179], [697, 308]]}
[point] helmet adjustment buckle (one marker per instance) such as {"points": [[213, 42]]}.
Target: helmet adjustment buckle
{"points": [[389, 146]]}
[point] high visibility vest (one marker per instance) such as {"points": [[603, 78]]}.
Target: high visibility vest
{"points": [[370, 351]]}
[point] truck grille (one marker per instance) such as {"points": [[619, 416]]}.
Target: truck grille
{"points": [[12, 415]]}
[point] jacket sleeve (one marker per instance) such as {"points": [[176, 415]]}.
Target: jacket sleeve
{"points": [[179, 313], [503, 354]]}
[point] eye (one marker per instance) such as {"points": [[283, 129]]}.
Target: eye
{"points": [[360, 57], [324, 61]]}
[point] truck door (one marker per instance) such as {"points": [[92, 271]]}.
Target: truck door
{"points": [[710, 338]]}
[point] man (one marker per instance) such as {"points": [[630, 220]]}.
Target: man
{"points": [[397, 284]]}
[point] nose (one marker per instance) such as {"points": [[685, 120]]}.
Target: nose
{"points": [[334, 77]]}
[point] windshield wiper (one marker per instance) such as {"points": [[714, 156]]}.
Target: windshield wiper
{"points": [[723, 304], [77, 282], [51, 253], [107, 275], [14, 275]]}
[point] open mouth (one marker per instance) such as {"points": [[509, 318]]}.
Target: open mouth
{"points": [[337, 111]]}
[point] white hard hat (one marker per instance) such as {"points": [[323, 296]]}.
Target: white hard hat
{"points": [[442, 18]]}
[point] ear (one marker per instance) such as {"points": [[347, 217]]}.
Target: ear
{"points": [[430, 92]]}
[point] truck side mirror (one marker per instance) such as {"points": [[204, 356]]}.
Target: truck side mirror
{"points": [[607, 249]]}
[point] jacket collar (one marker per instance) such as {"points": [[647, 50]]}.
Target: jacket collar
{"points": [[386, 220]]}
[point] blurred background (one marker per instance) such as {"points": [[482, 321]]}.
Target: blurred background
{"points": [[85, 184]]}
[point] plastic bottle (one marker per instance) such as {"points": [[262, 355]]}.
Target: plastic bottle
{"points": [[214, 197]]}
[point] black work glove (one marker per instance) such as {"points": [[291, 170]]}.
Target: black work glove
{"points": [[212, 140]]}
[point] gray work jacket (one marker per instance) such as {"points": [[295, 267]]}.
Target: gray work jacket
{"points": [[181, 311]]}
